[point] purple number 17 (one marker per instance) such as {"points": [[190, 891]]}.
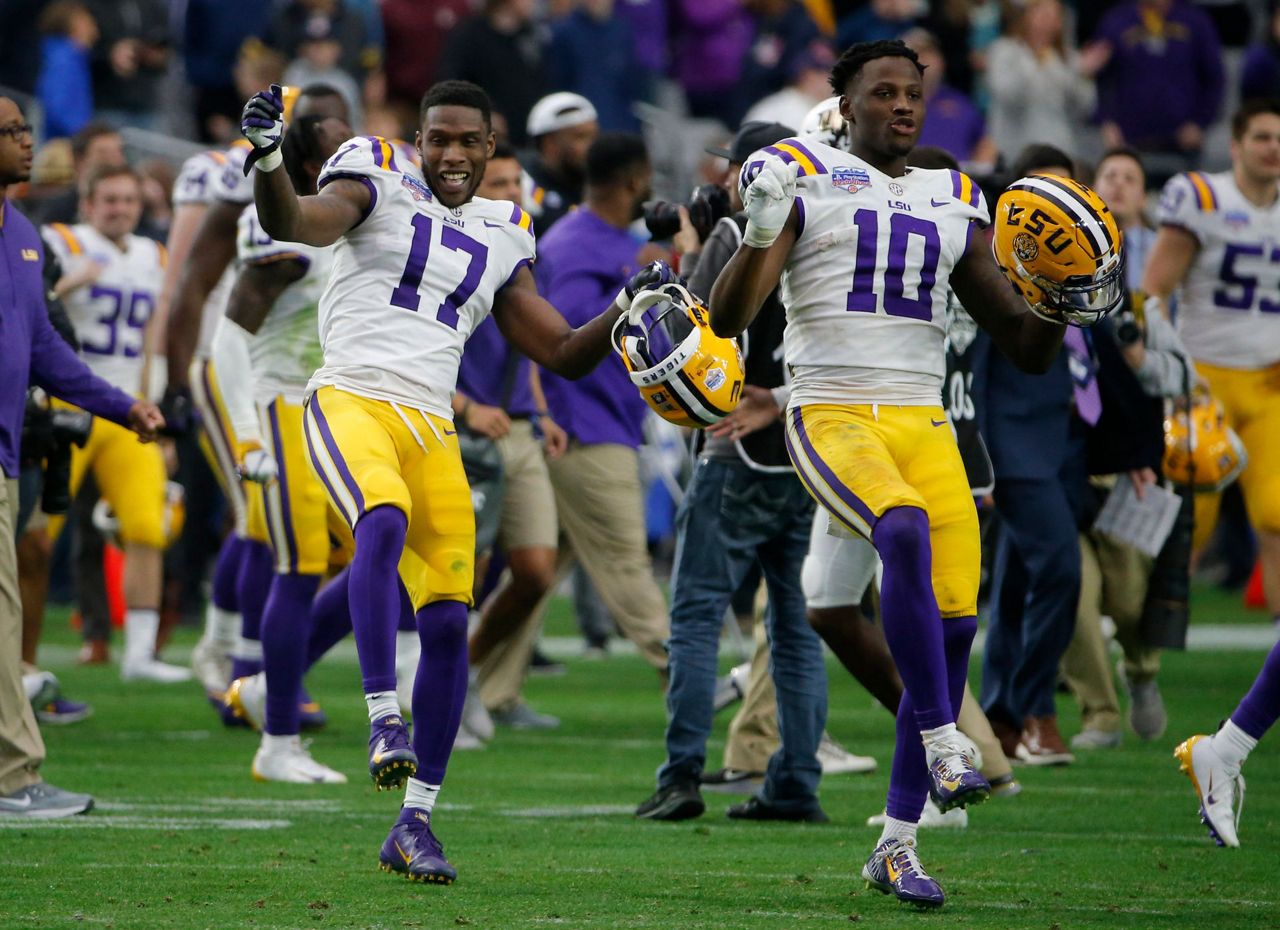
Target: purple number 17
{"points": [[406, 293]]}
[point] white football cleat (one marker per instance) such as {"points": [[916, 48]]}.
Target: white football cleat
{"points": [[292, 763], [153, 670], [1220, 788], [211, 664], [466, 740], [836, 760], [476, 719], [247, 698], [931, 818]]}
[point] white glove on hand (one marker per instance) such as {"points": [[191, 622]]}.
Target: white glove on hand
{"points": [[262, 123], [258, 466], [768, 200]]}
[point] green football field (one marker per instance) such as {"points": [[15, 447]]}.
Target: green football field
{"points": [[540, 829]]}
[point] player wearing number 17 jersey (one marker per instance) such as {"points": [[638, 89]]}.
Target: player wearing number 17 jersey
{"points": [[419, 262], [865, 250]]}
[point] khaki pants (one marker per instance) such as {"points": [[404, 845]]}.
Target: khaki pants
{"points": [[21, 748], [600, 505], [528, 521], [1113, 581]]}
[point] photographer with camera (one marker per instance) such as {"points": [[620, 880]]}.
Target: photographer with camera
{"points": [[33, 352]]}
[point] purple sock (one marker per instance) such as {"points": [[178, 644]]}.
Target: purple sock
{"points": [[286, 626], [1260, 708], [440, 687], [252, 584], [225, 571], [912, 624], [330, 617], [374, 587], [909, 774]]}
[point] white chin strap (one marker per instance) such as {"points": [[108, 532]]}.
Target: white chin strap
{"points": [[644, 376]]}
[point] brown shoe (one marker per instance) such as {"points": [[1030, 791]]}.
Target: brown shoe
{"points": [[1042, 743], [1009, 737], [94, 652]]}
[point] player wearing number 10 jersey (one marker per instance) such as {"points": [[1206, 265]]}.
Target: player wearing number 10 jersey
{"points": [[419, 262], [865, 250]]}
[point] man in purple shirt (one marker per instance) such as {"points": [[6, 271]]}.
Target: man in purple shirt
{"points": [[599, 499], [33, 353], [1162, 83]]}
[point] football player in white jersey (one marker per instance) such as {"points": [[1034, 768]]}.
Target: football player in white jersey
{"points": [[1219, 249], [111, 282], [865, 250], [419, 262]]}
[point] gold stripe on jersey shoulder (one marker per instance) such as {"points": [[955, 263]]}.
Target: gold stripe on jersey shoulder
{"points": [[68, 237]]}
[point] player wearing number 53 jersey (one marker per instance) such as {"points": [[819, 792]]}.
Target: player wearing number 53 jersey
{"points": [[111, 281], [419, 262], [865, 250]]}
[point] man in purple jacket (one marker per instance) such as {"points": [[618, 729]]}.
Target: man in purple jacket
{"points": [[599, 499], [33, 353]]}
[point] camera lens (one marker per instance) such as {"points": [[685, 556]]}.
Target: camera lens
{"points": [[662, 219]]}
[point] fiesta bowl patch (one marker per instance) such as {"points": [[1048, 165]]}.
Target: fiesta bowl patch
{"points": [[850, 179]]}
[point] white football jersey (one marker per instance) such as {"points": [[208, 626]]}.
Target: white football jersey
{"points": [[411, 281], [110, 314], [1229, 304], [866, 284], [196, 178], [285, 352], [231, 184]]}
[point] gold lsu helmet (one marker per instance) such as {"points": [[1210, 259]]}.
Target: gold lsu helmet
{"points": [[1058, 244], [685, 372], [1200, 449]]}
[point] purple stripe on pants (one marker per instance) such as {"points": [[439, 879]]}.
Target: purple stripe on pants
{"points": [[842, 491]]}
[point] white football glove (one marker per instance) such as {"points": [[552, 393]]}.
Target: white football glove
{"points": [[768, 200], [262, 123], [258, 466]]}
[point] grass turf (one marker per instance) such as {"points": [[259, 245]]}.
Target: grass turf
{"points": [[539, 825]]}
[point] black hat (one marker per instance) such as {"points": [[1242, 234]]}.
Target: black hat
{"points": [[752, 136]]}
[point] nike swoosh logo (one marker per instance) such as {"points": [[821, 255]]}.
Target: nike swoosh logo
{"points": [[937, 422], [377, 753], [891, 871], [7, 803], [451, 432], [951, 785], [938, 203], [403, 855], [493, 225]]}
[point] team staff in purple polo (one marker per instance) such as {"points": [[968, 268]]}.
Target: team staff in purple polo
{"points": [[33, 353]]}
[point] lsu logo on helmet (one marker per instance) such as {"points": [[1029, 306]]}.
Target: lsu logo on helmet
{"points": [[1058, 244], [687, 374]]}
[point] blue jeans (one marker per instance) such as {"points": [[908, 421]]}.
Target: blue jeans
{"points": [[731, 517]]}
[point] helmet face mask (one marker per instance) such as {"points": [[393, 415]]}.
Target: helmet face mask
{"points": [[686, 373], [1058, 244]]}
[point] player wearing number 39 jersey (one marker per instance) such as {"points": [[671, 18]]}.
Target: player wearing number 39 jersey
{"points": [[865, 250], [419, 262]]}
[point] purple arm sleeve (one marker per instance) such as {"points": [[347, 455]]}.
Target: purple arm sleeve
{"points": [[63, 374]]}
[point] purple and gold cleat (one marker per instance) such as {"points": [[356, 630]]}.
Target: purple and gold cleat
{"points": [[413, 851], [392, 761], [894, 868], [311, 715], [954, 781]]}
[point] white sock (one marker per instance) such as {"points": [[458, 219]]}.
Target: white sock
{"points": [[1232, 744], [898, 830], [382, 704], [221, 627], [937, 739], [140, 629], [248, 650], [272, 743], [420, 794]]}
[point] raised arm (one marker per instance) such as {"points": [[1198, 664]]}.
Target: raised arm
{"points": [[1026, 340]]}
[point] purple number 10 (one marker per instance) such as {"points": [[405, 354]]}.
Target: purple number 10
{"points": [[902, 226], [406, 294]]}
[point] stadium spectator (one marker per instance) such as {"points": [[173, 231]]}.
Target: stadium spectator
{"points": [[783, 29], [36, 354], [96, 144], [158, 177], [212, 32], [1041, 92], [599, 498], [415, 36], [1120, 180], [711, 39], [591, 53], [319, 60], [954, 124], [65, 85], [1162, 81], [329, 43], [807, 87], [562, 127], [879, 19], [951, 22], [1260, 74], [647, 19], [130, 60], [501, 49]]}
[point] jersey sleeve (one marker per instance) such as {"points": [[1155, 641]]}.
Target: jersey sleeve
{"points": [[196, 179], [371, 160], [230, 184], [1185, 202], [255, 247], [518, 245], [61, 240]]}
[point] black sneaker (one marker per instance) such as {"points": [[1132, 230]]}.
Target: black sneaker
{"points": [[681, 801], [732, 781], [545, 666], [755, 809]]}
